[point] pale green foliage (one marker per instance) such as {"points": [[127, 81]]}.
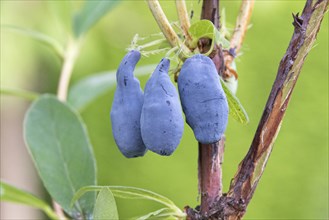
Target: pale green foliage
{"points": [[91, 12], [105, 207], [126, 192], [59, 145], [236, 109]]}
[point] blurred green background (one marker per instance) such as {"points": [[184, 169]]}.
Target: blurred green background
{"points": [[295, 182]]}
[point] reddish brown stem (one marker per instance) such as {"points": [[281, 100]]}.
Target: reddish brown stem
{"points": [[210, 160], [210, 155], [210, 11], [252, 167], [232, 206]]}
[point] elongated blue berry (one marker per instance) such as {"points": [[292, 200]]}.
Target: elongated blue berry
{"points": [[162, 123], [203, 100], [127, 107]]}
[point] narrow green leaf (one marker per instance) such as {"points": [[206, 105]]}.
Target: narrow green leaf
{"points": [[88, 89], [59, 145], [91, 12], [10, 193], [43, 38], [236, 109], [152, 214], [170, 217], [105, 207], [31, 96], [127, 192]]}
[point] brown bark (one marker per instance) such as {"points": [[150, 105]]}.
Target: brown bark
{"points": [[210, 155], [210, 11], [210, 173], [232, 206], [252, 167]]}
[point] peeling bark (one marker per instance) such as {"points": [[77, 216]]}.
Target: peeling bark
{"points": [[252, 166], [232, 206]]}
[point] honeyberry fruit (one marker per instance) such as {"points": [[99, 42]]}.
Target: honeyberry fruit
{"points": [[203, 100], [162, 123], [127, 107]]}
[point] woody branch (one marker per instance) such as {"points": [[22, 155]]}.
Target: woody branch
{"points": [[252, 166]]}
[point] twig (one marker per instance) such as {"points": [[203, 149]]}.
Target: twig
{"points": [[210, 11], [58, 210], [238, 35], [66, 72], [165, 26], [242, 23], [252, 166], [184, 19], [210, 155]]}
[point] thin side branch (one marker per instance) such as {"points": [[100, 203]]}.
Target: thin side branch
{"points": [[165, 26], [184, 19], [252, 166], [66, 72], [241, 25], [237, 38]]}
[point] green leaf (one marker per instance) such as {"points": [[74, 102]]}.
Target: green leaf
{"points": [[127, 192], [236, 109], [105, 207], [202, 29], [170, 217], [31, 96], [206, 29], [88, 89], [91, 12], [43, 38], [152, 214], [59, 145], [10, 193], [63, 12]]}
